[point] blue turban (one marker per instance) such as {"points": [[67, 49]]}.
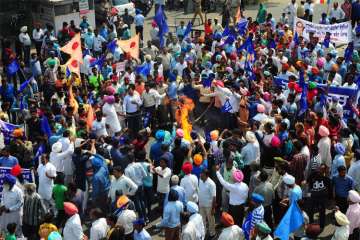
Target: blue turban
{"points": [[159, 135], [10, 179], [257, 198], [97, 161]]}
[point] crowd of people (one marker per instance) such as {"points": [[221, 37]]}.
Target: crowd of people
{"points": [[195, 130]]}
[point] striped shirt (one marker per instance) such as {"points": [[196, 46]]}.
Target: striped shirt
{"points": [[34, 209], [257, 215]]}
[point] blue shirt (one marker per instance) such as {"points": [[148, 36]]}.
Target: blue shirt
{"points": [[105, 71], [89, 40], [171, 215], [198, 169], [84, 24], [343, 185], [35, 67], [181, 192], [7, 94], [101, 183], [8, 161], [156, 152], [172, 90], [139, 20]]}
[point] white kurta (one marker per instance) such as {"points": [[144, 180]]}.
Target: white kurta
{"points": [[341, 233], [233, 232], [197, 220], [14, 201], [189, 232], [73, 229], [111, 119]]}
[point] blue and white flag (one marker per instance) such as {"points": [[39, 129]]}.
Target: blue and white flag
{"points": [[24, 84], [246, 227], [188, 29], [226, 107]]}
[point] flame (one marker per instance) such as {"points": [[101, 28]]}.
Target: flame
{"points": [[186, 105]]}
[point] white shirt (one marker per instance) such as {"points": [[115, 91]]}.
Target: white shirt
{"points": [[341, 233], [99, 127], [13, 199], [163, 184], [207, 192], [111, 118], [188, 232], [46, 184], [151, 98], [129, 105], [126, 219], [68, 163], [122, 184], [337, 13], [309, 6], [324, 147], [238, 191], [98, 41], [24, 38], [190, 183], [57, 159], [73, 229], [38, 35], [223, 94], [98, 229], [180, 67], [197, 220], [354, 172], [135, 172], [233, 232]]}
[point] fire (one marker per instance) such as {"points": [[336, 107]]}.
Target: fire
{"points": [[185, 105]]}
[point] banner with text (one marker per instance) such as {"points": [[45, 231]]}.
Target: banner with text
{"points": [[341, 33], [27, 175]]}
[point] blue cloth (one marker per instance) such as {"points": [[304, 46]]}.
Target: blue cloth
{"points": [[143, 235], [8, 161], [13, 67], [144, 69], [342, 185], [45, 126], [295, 194], [303, 99], [118, 158], [171, 215], [181, 194], [247, 226], [160, 20], [101, 183], [292, 221], [156, 152]]}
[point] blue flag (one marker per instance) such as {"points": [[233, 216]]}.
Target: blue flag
{"points": [[67, 72], [38, 153], [246, 227], [226, 31], [13, 67], [144, 69], [230, 39], [271, 44], [226, 107], [160, 20], [326, 42], [242, 26], [296, 39], [45, 126], [112, 46], [86, 52], [98, 62], [348, 54], [292, 221], [24, 84], [7, 129], [146, 119], [245, 45], [322, 100], [303, 99], [188, 29]]}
